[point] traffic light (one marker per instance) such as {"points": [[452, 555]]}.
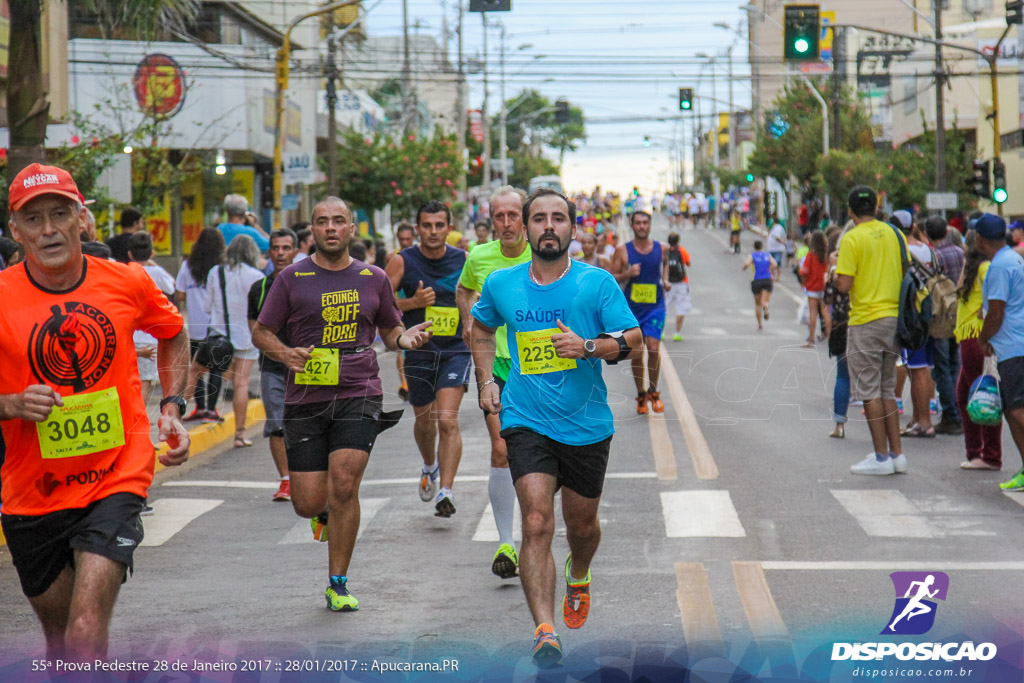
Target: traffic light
{"points": [[750, 177], [979, 182], [636, 191], [686, 97], [999, 194], [647, 141], [265, 177], [561, 111], [802, 33], [1014, 12]]}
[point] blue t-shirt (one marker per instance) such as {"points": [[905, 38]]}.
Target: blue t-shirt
{"points": [[233, 230], [1005, 282], [567, 405]]}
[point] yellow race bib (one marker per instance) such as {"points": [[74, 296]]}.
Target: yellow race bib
{"points": [[644, 294], [88, 423], [537, 353], [445, 319], [322, 369]]}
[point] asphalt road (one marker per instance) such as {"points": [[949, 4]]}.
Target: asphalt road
{"points": [[732, 528]]}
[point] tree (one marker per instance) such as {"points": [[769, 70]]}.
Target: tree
{"points": [[530, 125], [28, 111]]}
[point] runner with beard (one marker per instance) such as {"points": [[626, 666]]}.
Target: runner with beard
{"points": [[562, 318]]}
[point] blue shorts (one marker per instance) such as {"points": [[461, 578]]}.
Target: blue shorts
{"points": [[652, 321], [924, 357], [427, 375]]}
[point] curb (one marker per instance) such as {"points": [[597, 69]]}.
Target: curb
{"points": [[205, 437]]}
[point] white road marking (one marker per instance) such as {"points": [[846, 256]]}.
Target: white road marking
{"points": [[486, 531], [400, 481], [302, 533], [885, 513], [713, 331], [893, 565], [225, 484], [171, 515], [700, 513]]}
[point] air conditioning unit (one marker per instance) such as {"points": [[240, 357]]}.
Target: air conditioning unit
{"points": [[977, 7]]}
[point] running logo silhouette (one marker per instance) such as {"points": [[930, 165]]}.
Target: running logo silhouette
{"points": [[916, 593]]}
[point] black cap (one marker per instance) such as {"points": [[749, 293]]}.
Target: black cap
{"points": [[862, 201]]}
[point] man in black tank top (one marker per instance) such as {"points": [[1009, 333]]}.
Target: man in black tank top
{"points": [[427, 274]]}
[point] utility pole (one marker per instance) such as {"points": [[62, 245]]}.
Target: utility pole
{"points": [[940, 114], [755, 67], [716, 182], [406, 86], [460, 99], [503, 142], [733, 156], [487, 125], [332, 104]]}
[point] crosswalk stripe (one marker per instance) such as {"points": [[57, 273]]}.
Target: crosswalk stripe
{"points": [[487, 531], [171, 515], [885, 513], [700, 514], [302, 533], [398, 481], [696, 608], [891, 566], [758, 604], [700, 453]]}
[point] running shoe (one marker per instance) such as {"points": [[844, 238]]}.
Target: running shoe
{"points": [[506, 562], [196, 414], [677, 337], [1015, 484], [764, 309], [147, 510], [655, 398], [212, 416], [547, 648], [875, 464], [319, 525], [284, 492], [445, 503], [339, 599], [428, 484], [641, 404], [576, 605]]}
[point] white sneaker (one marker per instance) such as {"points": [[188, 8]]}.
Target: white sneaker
{"points": [[428, 484], [872, 465], [899, 463]]}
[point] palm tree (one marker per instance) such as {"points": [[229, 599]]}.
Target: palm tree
{"points": [[28, 110]]}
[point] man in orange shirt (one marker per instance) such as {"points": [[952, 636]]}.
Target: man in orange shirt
{"points": [[79, 458]]}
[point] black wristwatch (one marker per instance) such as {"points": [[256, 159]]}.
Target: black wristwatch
{"points": [[623, 346], [176, 400]]}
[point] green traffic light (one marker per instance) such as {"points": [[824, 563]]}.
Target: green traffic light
{"points": [[802, 45], [684, 105], [750, 177], [1000, 195]]}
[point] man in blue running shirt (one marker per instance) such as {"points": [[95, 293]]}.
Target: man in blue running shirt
{"points": [[562, 319], [766, 271]]}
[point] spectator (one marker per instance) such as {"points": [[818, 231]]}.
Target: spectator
{"points": [[1002, 333], [840, 304], [812, 273], [190, 290], [777, 241], [1015, 236], [870, 270], [140, 250], [240, 221], [240, 273], [950, 259], [983, 444], [132, 221], [304, 234]]}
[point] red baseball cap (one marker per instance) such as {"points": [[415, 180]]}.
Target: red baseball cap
{"points": [[35, 180]]}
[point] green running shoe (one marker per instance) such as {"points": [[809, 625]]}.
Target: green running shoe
{"points": [[319, 526], [1015, 484], [339, 599], [677, 337], [506, 562]]}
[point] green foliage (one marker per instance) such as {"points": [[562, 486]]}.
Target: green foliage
{"points": [[727, 177], [141, 19], [404, 172]]}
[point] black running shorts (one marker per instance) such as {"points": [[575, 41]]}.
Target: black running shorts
{"points": [[763, 285], [41, 546], [312, 431], [579, 468]]}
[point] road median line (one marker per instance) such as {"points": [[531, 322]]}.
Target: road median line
{"points": [[700, 453]]}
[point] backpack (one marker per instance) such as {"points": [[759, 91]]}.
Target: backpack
{"points": [[915, 302], [676, 267], [943, 291]]}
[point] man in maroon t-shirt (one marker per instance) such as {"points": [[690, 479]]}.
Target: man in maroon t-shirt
{"points": [[332, 307]]}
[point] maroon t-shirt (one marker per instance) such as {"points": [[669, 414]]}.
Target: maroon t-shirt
{"points": [[333, 309]]}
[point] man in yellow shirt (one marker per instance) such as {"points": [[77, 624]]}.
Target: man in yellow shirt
{"points": [[870, 269]]}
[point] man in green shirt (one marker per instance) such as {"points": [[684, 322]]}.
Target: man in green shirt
{"points": [[510, 249]]}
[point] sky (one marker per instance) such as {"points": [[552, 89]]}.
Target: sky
{"points": [[612, 59]]}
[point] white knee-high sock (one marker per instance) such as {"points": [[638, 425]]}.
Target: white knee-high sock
{"points": [[503, 502]]}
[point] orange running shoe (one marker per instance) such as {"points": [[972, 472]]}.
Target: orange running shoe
{"points": [[641, 404], [284, 492], [576, 605], [655, 398], [547, 648]]}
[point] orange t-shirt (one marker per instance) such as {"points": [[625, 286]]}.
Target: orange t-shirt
{"points": [[79, 342]]}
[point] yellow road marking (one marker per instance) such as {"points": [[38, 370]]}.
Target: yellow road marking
{"points": [[700, 453], [758, 603], [661, 443], [697, 610]]}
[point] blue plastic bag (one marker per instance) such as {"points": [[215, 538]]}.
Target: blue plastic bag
{"points": [[984, 405]]}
